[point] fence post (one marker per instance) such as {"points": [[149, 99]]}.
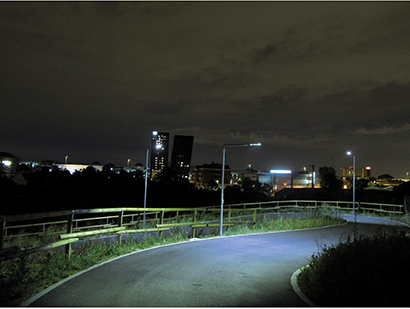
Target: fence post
{"points": [[161, 221], [3, 230], [120, 217], [69, 231], [120, 220], [194, 220]]}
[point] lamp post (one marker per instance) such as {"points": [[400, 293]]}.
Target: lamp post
{"points": [[66, 159], [313, 175], [146, 185], [223, 177], [349, 153], [128, 163]]}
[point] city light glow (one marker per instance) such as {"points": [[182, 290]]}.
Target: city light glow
{"points": [[281, 171], [6, 162]]}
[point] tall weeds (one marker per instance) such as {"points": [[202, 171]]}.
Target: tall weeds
{"points": [[362, 271]]}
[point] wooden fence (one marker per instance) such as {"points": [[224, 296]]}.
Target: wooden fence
{"points": [[68, 226]]}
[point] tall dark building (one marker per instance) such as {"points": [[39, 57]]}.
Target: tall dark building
{"points": [[181, 154], [159, 152]]}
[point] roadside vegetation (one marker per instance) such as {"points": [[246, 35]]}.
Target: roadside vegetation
{"points": [[363, 271], [22, 278], [266, 224], [396, 217]]}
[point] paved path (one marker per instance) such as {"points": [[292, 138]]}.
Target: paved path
{"points": [[250, 271]]}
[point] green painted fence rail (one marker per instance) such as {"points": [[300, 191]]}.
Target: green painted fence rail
{"points": [[73, 225]]}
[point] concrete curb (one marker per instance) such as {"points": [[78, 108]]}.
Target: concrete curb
{"points": [[296, 288]]}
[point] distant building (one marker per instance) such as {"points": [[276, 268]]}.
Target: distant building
{"points": [[305, 179], [181, 154], [250, 173], [159, 152], [208, 173], [280, 179], [387, 180], [361, 172]]}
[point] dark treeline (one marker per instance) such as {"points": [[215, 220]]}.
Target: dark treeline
{"points": [[55, 189]]}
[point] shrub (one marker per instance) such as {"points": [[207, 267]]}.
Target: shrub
{"points": [[363, 271]]}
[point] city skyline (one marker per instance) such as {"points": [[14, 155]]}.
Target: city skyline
{"points": [[159, 152], [182, 154], [308, 80]]}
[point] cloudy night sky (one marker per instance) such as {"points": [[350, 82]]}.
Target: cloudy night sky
{"points": [[309, 80]]}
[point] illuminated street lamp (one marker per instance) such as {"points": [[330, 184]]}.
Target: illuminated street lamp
{"points": [[349, 153], [223, 177], [66, 159], [128, 163]]}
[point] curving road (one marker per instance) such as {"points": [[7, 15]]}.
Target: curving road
{"points": [[250, 270]]}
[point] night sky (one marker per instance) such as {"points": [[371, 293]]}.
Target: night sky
{"points": [[309, 80]]}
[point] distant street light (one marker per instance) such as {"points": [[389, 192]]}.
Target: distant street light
{"points": [[66, 159], [128, 163], [349, 153], [223, 177]]}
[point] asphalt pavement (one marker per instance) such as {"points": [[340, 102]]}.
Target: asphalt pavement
{"points": [[236, 271]]}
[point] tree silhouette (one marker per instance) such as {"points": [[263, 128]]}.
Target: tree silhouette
{"points": [[328, 179]]}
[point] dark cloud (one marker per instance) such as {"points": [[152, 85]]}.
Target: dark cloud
{"points": [[307, 79]]}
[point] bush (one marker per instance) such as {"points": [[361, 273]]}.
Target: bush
{"points": [[363, 271]]}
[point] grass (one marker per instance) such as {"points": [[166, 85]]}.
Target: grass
{"points": [[270, 225], [405, 218], [24, 277], [366, 271]]}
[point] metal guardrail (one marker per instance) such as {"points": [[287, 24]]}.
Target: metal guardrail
{"points": [[73, 225]]}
